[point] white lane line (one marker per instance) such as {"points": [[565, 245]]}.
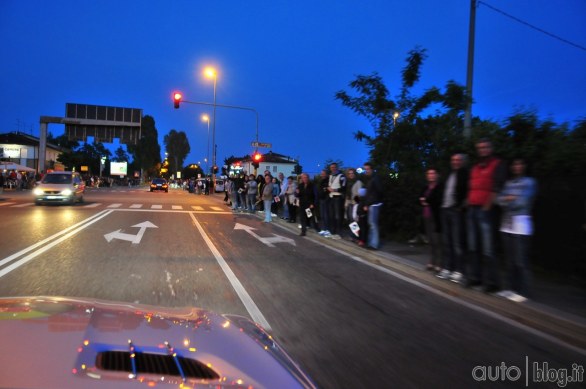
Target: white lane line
{"points": [[217, 208], [22, 205], [156, 206], [197, 207], [26, 250], [176, 207], [116, 205], [94, 205], [251, 307], [136, 206], [3, 204], [31, 256]]}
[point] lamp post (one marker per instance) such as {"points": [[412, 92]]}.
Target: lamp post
{"points": [[211, 73], [206, 118]]}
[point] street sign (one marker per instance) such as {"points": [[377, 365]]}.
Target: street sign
{"points": [[263, 145]]}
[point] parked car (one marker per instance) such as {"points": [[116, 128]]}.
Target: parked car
{"points": [[60, 187], [159, 184]]}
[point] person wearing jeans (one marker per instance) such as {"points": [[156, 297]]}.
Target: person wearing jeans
{"points": [[374, 202], [267, 197]]}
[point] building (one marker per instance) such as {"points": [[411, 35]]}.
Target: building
{"points": [[23, 149], [273, 162]]}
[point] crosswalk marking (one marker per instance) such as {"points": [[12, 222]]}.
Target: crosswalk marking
{"points": [[22, 205], [198, 208]]}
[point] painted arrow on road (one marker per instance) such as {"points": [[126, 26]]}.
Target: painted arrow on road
{"points": [[266, 240], [135, 239]]}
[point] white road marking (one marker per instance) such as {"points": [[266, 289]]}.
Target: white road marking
{"points": [[116, 205], [94, 205], [3, 204], [136, 206], [176, 207], [249, 304], [22, 205], [197, 207], [156, 206], [73, 230], [217, 208]]}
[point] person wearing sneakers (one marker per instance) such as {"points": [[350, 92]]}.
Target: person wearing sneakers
{"points": [[324, 204], [452, 219], [486, 180], [516, 200], [337, 189]]}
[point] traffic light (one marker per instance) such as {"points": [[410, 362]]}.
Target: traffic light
{"points": [[177, 99], [256, 158]]}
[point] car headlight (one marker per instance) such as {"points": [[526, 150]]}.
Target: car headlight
{"points": [[66, 192], [38, 192]]}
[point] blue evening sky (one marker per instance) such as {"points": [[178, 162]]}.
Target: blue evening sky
{"points": [[286, 59]]}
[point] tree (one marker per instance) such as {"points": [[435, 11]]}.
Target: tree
{"points": [[410, 133], [146, 155], [120, 155], [177, 147]]}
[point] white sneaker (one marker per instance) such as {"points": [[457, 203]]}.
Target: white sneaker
{"points": [[299, 226], [505, 294], [456, 277], [516, 297], [327, 234], [335, 236], [273, 215], [444, 274]]}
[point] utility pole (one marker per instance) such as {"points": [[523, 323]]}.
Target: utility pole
{"points": [[470, 71]]}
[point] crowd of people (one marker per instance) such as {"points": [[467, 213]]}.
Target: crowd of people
{"points": [[14, 179], [462, 213], [338, 204]]}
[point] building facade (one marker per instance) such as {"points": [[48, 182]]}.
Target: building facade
{"points": [[23, 149]]}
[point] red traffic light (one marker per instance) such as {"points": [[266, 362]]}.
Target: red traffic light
{"points": [[257, 157], [177, 97]]}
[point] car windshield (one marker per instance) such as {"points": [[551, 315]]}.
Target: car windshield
{"points": [[158, 181], [57, 179]]}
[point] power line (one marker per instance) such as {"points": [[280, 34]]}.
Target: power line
{"points": [[532, 26]]}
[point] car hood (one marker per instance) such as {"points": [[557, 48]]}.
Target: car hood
{"points": [[54, 187], [58, 342]]}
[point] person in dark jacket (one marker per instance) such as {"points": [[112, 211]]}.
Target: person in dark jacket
{"points": [[431, 199], [374, 202], [452, 218], [305, 192]]}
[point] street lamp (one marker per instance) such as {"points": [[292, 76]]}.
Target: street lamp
{"points": [[206, 118], [212, 73], [395, 117]]}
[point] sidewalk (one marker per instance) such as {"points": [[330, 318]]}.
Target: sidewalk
{"points": [[556, 309]]}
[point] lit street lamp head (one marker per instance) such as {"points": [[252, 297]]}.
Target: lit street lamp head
{"points": [[210, 72]]}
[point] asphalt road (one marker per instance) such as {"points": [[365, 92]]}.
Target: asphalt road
{"points": [[348, 323]]}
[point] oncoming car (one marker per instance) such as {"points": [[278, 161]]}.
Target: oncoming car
{"points": [[159, 184], [60, 187]]}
